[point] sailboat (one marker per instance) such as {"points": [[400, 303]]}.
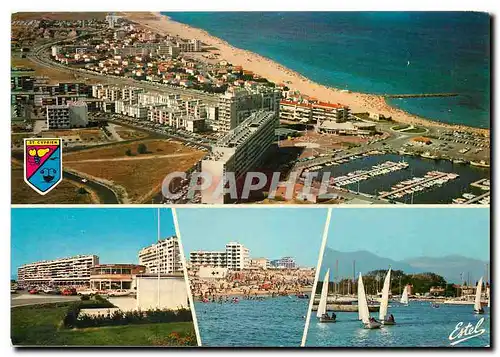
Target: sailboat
{"points": [[404, 297], [364, 313], [384, 304], [322, 313], [488, 293], [477, 303]]}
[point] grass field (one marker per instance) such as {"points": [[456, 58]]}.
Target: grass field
{"points": [[140, 175], [65, 192], [93, 134], [130, 134], [42, 326]]}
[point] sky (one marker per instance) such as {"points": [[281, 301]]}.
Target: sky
{"points": [[412, 232], [268, 232], [114, 234]]}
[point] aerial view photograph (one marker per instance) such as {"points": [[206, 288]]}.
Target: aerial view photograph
{"points": [[98, 277], [251, 283], [410, 277], [352, 107]]}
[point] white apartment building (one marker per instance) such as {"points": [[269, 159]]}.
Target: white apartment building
{"points": [[237, 255], [148, 98], [237, 104], [64, 271], [193, 45], [285, 263], [66, 116], [214, 259], [131, 94], [260, 263], [163, 256], [313, 112], [238, 151], [131, 110]]}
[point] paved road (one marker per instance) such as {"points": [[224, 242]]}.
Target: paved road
{"points": [[24, 299], [106, 196]]}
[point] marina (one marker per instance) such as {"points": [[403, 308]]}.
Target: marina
{"points": [[459, 182]]}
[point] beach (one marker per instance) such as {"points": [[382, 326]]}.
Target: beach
{"points": [[275, 72]]}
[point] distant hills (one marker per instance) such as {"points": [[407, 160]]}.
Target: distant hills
{"points": [[450, 267]]}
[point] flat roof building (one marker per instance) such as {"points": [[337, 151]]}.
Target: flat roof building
{"points": [[238, 152], [115, 276], [64, 271], [163, 256]]}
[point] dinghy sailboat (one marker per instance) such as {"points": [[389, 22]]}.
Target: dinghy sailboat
{"points": [[322, 313], [477, 303], [404, 297], [384, 304], [364, 313]]}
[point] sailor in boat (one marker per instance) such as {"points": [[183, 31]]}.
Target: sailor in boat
{"points": [[480, 311], [373, 320], [390, 318]]}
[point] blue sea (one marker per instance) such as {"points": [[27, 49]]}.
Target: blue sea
{"points": [[273, 322], [374, 52], [417, 325]]}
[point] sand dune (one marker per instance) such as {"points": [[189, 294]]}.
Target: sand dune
{"points": [[359, 102]]}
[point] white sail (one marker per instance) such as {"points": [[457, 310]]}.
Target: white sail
{"points": [[479, 290], [384, 304], [324, 295], [404, 297], [488, 292], [364, 314]]}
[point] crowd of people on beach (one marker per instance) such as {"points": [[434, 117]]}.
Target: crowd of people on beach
{"points": [[251, 284]]}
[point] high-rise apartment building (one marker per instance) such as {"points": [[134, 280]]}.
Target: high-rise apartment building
{"points": [[163, 256]]}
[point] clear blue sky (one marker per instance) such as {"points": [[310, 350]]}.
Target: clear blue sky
{"points": [[412, 232], [268, 232], [114, 234]]}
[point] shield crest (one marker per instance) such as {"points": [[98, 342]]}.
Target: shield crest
{"points": [[42, 164]]}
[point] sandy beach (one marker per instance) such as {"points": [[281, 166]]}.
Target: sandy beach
{"points": [[275, 72]]}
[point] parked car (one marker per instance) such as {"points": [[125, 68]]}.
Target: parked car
{"points": [[87, 292], [69, 291], [33, 291], [119, 292], [50, 291]]}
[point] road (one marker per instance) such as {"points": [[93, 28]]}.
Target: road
{"points": [[132, 158], [25, 299], [40, 57], [106, 195]]}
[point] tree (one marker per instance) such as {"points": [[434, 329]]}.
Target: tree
{"points": [[142, 149]]}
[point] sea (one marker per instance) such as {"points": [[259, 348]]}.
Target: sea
{"points": [[418, 167], [374, 52], [272, 322], [417, 325]]}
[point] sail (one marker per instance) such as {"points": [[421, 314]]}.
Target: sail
{"points": [[384, 304], [324, 295], [364, 314], [479, 290], [488, 293], [404, 297]]}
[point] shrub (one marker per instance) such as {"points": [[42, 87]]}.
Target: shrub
{"points": [[84, 297], [128, 152], [142, 149]]}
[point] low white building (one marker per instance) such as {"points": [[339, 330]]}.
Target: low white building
{"points": [[161, 292]]}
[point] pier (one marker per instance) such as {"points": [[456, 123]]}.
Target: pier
{"points": [[477, 198], [430, 179], [483, 184], [373, 172], [421, 95]]}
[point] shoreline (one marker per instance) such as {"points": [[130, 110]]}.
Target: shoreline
{"points": [[277, 73]]}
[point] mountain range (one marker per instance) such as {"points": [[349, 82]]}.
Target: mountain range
{"points": [[450, 267]]}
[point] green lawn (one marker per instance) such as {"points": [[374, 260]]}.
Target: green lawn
{"points": [[42, 325]]}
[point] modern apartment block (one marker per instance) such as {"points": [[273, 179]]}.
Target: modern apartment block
{"points": [[132, 110], [237, 104], [64, 271], [163, 256], [66, 116], [214, 259], [238, 152], [317, 112], [284, 263], [235, 257]]}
